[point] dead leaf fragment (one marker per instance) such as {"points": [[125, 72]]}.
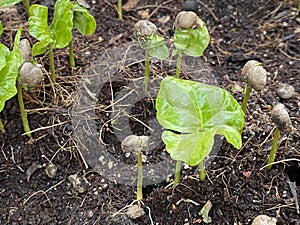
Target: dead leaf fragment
{"points": [[134, 212], [130, 5], [31, 169]]}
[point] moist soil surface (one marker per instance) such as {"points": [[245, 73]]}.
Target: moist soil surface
{"points": [[83, 190]]}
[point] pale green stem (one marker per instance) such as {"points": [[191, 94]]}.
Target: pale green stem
{"points": [[177, 172], [202, 171], [247, 92], [120, 13], [27, 5], [178, 64], [273, 151], [147, 72], [139, 191], [52, 65], [2, 128], [71, 54], [22, 110]]}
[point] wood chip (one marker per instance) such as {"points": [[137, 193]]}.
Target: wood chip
{"points": [[130, 5]]}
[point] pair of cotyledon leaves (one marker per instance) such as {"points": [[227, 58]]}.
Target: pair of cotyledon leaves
{"points": [[191, 42], [59, 34], [192, 114]]}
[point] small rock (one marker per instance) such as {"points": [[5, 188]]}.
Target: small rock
{"points": [[190, 6], [143, 14], [89, 213], [77, 185], [134, 212], [285, 91], [264, 220]]}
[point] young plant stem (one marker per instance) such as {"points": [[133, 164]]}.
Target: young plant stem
{"points": [[147, 72], [273, 151], [177, 172], [120, 10], [52, 66], [2, 128], [246, 98], [71, 54], [22, 110], [139, 191], [27, 5], [178, 64], [202, 171]]}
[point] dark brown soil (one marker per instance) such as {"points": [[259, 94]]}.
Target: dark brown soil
{"points": [[237, 185]]}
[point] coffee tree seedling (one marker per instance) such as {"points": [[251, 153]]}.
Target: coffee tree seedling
{"points": [[11, 79], [192, 114], [281, 118], [57, 35], [84, 22], [191, 36], [145, 33], [137, 145], [255, 77]]}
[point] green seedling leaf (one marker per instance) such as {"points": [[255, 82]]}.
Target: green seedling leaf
{"points": [[83, 21], [62, 24], [156, 47], [193, 113], [9, 72], [59, 33], [205, 211], [192, 42], [38, 28], [9, 2]]}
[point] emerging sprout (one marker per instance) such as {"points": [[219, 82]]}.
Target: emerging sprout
{"points": [[145, 33], [255, 76], [281, 118], [137, 144], [191, 36], [31, 75]]}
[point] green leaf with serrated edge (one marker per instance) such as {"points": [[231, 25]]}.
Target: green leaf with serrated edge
{"points": [[62, 23], [156, 47], [38, 28], [192, 42], [83, 21], [1, 28], [9, 73], [193, 113], [9, 2]]}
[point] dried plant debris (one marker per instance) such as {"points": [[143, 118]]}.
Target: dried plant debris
{"points": [[51, 170], [77, 185], [31, 169], [134, 212]]}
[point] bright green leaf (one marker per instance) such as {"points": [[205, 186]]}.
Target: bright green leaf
{"points": [[38, 28], [192, 42], [193, 113], [9, 2], [62, 24], [4, 51], [9, 73], [156, 47], [83, 21]]}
